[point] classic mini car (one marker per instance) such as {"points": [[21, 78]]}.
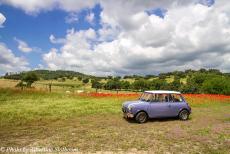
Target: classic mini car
{"points": [[157, 104]]}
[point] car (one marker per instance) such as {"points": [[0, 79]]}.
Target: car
{"points": [[157, 104]]}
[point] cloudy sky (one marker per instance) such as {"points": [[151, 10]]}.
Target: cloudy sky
{"points": [[108, 37]]}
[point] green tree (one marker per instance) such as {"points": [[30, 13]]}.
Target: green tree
{"points": [[85, 81], [125, 85], [159, 84], [96, 84], [217, 85], [141, 84], [79, 78], [30, 78]]}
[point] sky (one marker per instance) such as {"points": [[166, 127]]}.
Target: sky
{"points": [[107, 37]]}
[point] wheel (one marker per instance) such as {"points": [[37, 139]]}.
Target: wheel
{"points": [[141, 117], [184, 115]]}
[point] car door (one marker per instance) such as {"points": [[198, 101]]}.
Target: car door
{"points": [[159, 107], [175, 104]]}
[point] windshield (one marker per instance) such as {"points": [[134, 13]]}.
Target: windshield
{"points": [[146, 97]]}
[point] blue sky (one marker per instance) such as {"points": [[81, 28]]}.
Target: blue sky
{"points": [[36, 29], [106, 37]]}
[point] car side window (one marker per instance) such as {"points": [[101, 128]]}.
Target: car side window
{"points": [[161, 98], [149, 98], [175, 98]]}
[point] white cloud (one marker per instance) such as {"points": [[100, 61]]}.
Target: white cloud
{"points": [[189, 36], [130, 41], [36, 6], [9, 62], [2, 19], [23, 46], [90, 17], [31, 6], [71, 18], [55, 40]]}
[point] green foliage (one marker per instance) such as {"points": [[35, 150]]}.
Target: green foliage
{"points": [[96, 84], [217, 85], [125, 85], [201, 81], [30, 78], [158, 84], [79, 78], [141, 84], [85, 81], [113, 84], [46, 74]]}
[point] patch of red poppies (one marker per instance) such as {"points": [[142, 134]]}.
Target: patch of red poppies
{"points": [[208, 96], [216, 97], [93, 94]]}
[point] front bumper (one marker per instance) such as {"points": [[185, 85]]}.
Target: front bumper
{"points": [[128, 115]]}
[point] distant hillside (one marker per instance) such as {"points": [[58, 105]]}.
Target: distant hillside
{"points": [[210, 81], [46, 74]]}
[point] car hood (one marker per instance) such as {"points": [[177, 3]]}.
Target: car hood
{"points": [[133, 103]]}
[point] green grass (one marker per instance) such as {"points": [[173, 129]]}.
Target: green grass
{"points": [[17, 107], [39, 119]]}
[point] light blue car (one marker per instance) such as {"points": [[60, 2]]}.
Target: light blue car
{"points": [[157, 104]]}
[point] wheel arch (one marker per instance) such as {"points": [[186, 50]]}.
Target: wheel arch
{"points": [[182, 110], [142, 111]]}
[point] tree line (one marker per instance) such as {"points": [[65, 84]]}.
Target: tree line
{"points": [[210, 81], [203, 81]]}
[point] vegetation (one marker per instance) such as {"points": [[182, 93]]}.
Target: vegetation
{"points": [[38, 119], [189, 81], [45, 74], [27, 80]]}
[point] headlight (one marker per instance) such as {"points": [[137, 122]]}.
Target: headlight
{"points": [[130, 107]]}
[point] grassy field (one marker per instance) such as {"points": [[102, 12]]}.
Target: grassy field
{"points": [[40, 119]]}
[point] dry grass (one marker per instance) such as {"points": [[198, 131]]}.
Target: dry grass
{"points": [[32, 119]]}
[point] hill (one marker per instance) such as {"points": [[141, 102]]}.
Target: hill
{"points": [[46, 74], [210, 81]]}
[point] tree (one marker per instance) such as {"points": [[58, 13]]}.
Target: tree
{"points": [[175, 85], [96, 84], [141, 85], [30, 78], [85, 81], [79, 78], [125, 85], [217, 85]]}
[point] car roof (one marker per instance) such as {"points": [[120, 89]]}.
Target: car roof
{"points": [[163, 92]]}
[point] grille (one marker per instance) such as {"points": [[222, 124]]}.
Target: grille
{"points": [[124, 109]]}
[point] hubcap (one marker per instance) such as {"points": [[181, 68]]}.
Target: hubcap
{"points": [[142, 117], [184, 115]]}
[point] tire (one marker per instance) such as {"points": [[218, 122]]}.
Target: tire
{"points": [[141, 117], [184, 115]]}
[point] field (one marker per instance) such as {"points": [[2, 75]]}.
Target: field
{"points": [[93, 122]]}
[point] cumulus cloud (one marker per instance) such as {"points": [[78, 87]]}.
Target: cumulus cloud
{"points": [[36, 6], [71, 18], [23, 46], [189, 36], [192, 34], [9, 62], [32, 6], [55, 40], [2, 19]]}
